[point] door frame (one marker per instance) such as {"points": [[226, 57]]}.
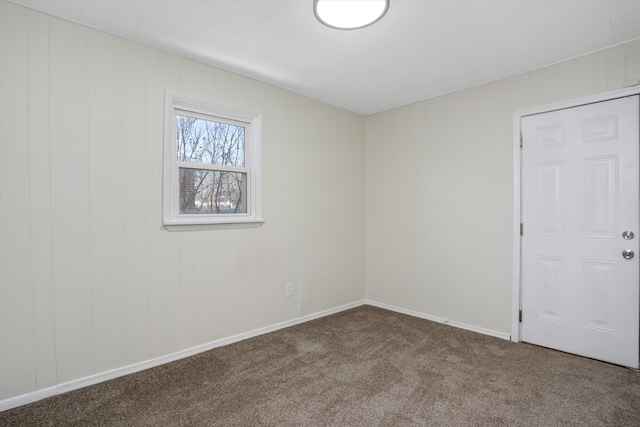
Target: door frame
{"points": [[516, 288]]}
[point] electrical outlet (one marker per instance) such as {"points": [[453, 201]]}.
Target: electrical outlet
{"points": [[288, 290]]}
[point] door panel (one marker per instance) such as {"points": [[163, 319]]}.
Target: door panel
{"points": [[552, 278], [552, 198], [580, 193]]}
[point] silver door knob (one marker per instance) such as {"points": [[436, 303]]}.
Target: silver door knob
{"points": [[627, 254], [627, 235]]}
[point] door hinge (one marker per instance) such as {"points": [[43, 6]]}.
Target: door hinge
{"points": [[521, 143], [521, 229], [520, 316]]}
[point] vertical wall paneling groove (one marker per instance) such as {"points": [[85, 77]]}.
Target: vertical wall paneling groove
{"points": [[565, 80], [40, 193], [632, 61], [186, 268], [616, 67], [233, 287], [498, 265], [152, 196], [17, 353], [134, 202], [224, 285], [590, 74], [71, 229], [206, 281], [544, 85], [174, 321], [105, 200], [134, 229]]}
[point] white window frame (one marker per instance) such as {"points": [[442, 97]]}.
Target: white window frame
{"points": [[173, 220]]}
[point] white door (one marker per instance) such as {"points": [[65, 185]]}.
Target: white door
{"points": [[579, 207]]}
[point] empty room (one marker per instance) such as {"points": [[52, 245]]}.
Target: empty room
{"points": [[319, 212]]}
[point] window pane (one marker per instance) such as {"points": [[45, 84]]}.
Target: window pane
{"points": [[209, 142], [212, 192]]}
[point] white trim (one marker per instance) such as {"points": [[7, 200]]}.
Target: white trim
{"points": [[253, 161], [420, 315], [516, 298], [515, 293], [25, 399], [237, 224], [34, 396]]}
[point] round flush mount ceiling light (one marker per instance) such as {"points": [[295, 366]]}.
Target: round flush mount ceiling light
{"points": [[349, 14]]}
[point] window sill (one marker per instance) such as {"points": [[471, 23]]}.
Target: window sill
{"points": [[182, 226]]}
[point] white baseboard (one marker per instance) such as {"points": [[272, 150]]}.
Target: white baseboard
{"points": [[24, 399], [34, 396], [472, 328]]}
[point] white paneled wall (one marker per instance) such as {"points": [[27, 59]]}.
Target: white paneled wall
{"points": [[90, 281], [440, 190]]}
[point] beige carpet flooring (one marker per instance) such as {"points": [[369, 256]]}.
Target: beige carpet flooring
{"points": [[362, 367]]}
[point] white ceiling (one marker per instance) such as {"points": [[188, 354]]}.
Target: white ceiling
{"points": [[420, 49]]}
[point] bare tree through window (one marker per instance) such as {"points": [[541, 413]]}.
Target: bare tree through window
{"points": [[201, 144]]}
